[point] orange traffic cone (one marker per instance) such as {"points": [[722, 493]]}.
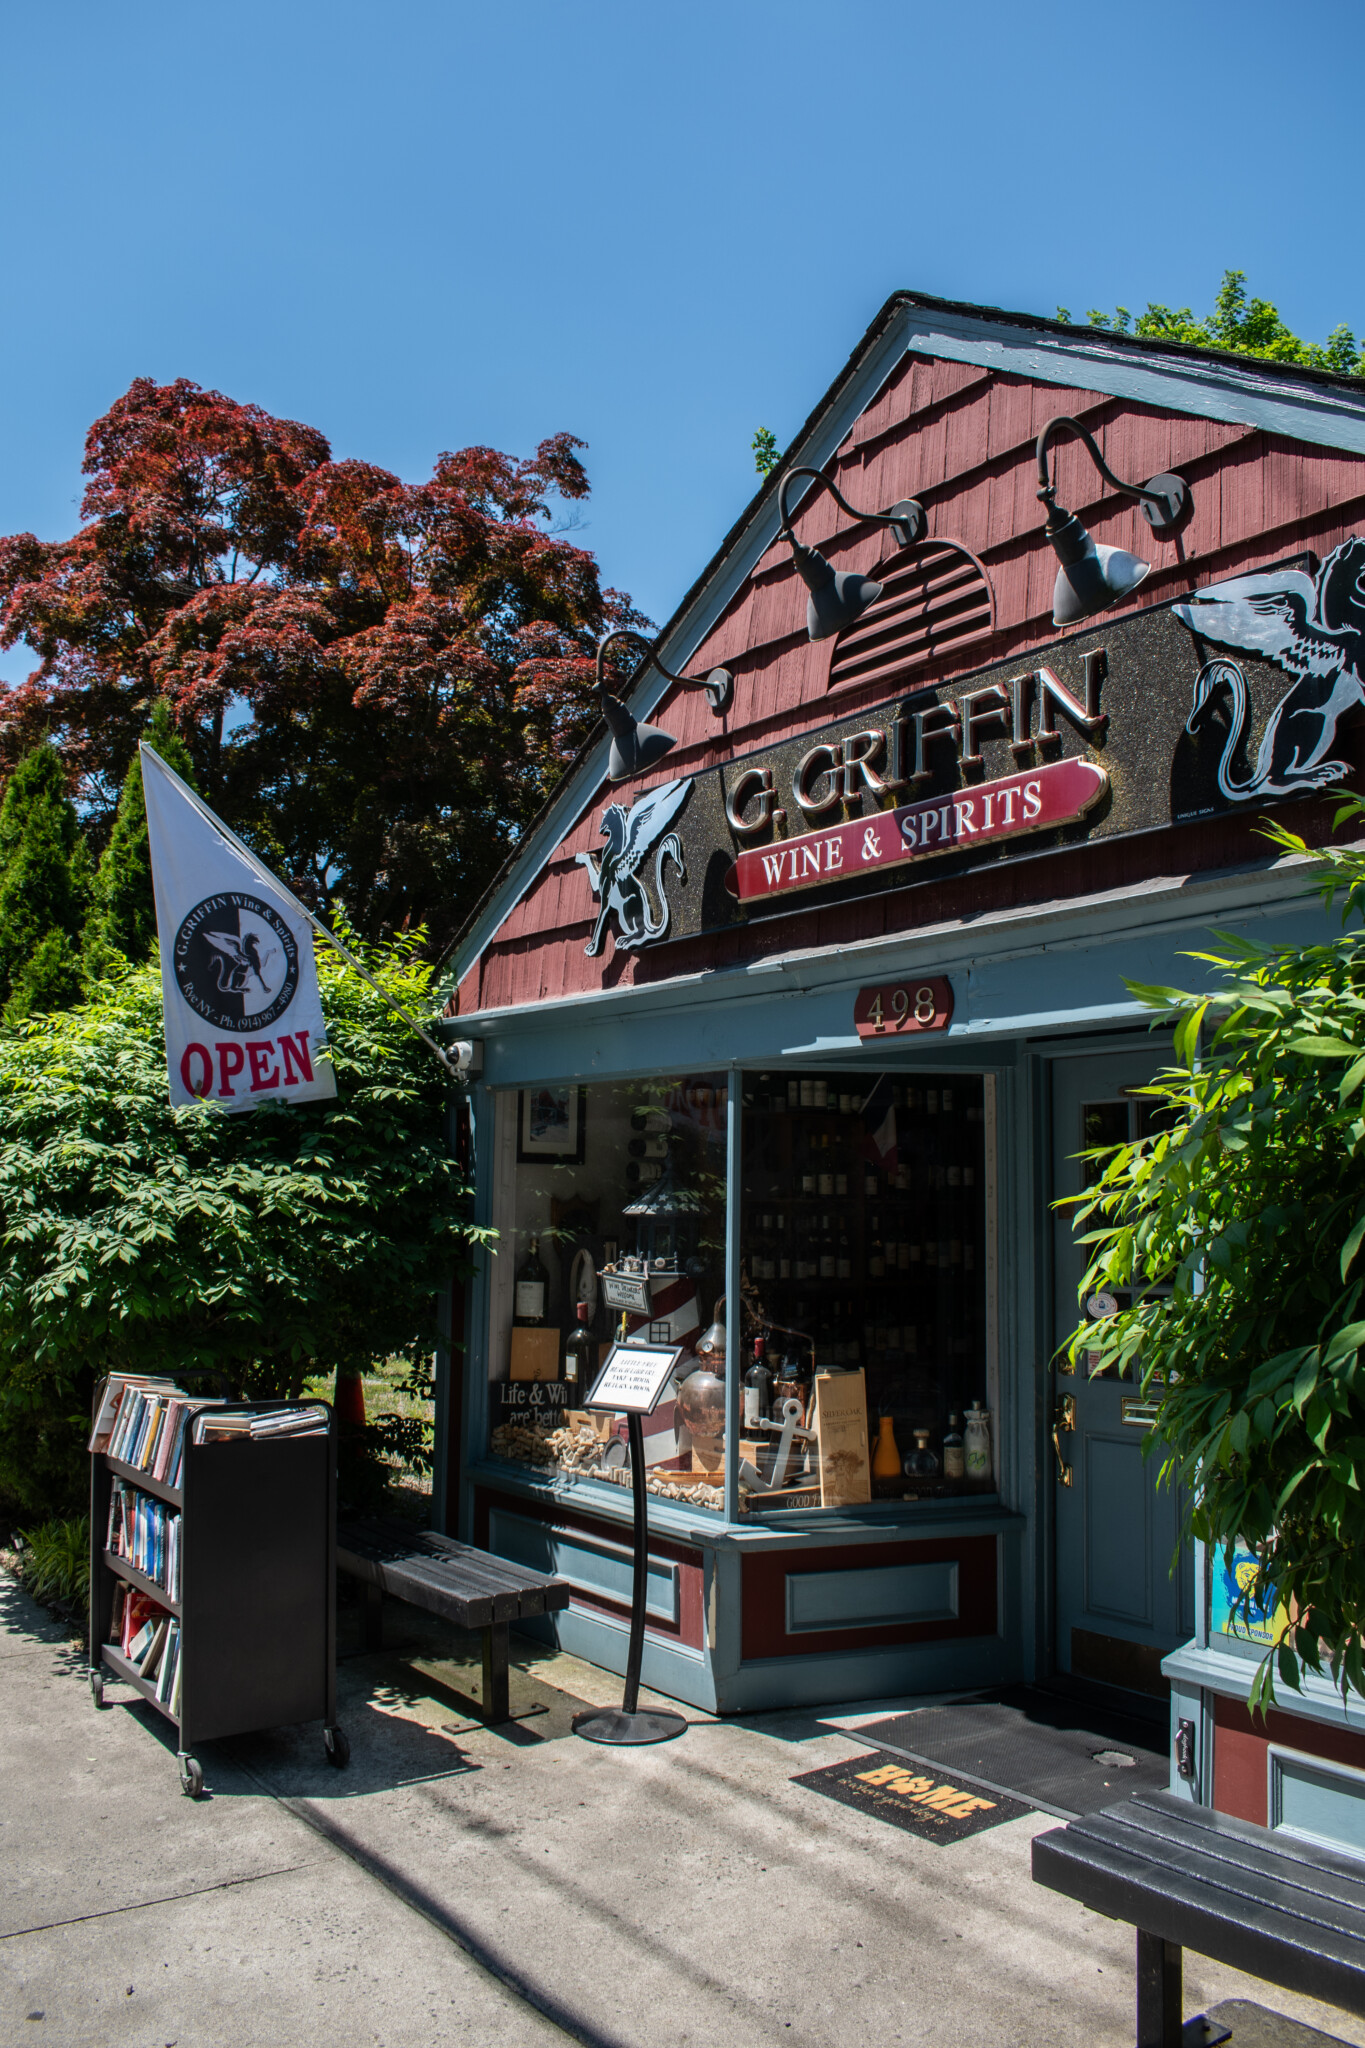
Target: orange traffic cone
{"points": [[349, 1398]]}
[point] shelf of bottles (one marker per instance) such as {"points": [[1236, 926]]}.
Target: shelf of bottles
{"points": [[863, 1233]]}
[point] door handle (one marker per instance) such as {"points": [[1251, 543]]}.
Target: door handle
{"points": [[1063, 1418]]}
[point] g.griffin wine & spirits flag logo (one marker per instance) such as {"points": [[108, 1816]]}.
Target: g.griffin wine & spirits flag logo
{"points": [[239, 983]]}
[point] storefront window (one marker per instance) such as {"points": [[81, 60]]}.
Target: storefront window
{"points": [[862, 1286], [863, 1289], [611, 1220]]}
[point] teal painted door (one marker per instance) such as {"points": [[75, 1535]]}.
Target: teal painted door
{"points": [[1119, 1606]]}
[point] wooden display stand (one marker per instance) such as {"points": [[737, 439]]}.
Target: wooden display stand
{"points": [[258, 1587]]}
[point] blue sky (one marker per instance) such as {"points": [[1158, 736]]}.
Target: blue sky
{"points": [[657, 226]]}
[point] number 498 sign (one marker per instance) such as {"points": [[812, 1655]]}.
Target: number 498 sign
{"points": [[895, 1008]]}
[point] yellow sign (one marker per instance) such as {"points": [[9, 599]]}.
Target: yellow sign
{"points": [[926, 1792]]}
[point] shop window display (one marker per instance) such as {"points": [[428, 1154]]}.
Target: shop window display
{"points": [[612, 1223], [862, 1285], [864, 1289]]}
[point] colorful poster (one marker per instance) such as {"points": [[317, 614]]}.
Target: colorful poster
{"points": [[1261, 1623]]}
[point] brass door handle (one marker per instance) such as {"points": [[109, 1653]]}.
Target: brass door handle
{"points": [[1063, 1418]]}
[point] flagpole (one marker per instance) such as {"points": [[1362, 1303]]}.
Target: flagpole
{"points": [[259, 867]]}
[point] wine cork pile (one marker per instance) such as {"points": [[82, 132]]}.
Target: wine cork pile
{"points": [[576, 1451]]}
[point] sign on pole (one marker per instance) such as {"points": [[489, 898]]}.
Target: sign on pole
{"points": [[239, 983]]}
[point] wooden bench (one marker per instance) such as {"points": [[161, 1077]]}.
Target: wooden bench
{"points": [[468, 1587], [1187, 1877]]}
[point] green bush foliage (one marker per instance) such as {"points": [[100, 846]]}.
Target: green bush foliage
{"points": [[241, 1254], [122, 920], [45, 887], [1246, 326], [54, 1561], [1250, 1207]]}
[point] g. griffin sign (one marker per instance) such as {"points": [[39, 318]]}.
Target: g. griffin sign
{"points": [[1188, 710]]}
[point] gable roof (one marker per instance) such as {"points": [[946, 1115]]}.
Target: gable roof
{"points": [[1313, 406]]}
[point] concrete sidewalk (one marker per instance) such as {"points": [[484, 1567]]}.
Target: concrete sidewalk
{"points": [[516, 1886]]}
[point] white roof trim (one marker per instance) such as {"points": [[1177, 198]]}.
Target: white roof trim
{"points": [[1204, 388], [1207, 387]]}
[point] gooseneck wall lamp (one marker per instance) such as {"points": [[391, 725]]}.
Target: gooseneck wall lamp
{"points": [[635, 747], [839, 596], [1091, 577]]}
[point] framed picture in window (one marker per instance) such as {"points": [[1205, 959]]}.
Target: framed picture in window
{"points": [[552, 1124]]}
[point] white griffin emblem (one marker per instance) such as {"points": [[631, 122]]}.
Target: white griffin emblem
{"points": [[616, 873], [1312, 627]]}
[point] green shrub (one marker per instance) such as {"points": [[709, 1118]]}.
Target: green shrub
{"points": [[239, 1254], [54, 1560], [1249, 1207]]}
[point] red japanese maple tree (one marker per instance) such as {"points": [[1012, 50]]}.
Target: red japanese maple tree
{"points": [[378, 682]]}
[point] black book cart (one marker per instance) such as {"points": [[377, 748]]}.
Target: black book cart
{"points": [[257, 1606]]}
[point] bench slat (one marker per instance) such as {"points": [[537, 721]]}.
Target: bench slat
{"points": [[427, 1574], [464, 1612], [481, 1562], [1342, 1875], [464, 1585], [484, 1571], [1326, 1887], [1192, 1912], [1250, 1881]]}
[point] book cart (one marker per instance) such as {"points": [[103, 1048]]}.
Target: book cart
{"points": [[257, 1605]]}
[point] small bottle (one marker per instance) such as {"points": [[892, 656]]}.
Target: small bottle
{"points": [[976, 1443], [758, 1382], [532, 1283], [870, 1181], [886, 1458], [921, 1464], [578, 1355], [954, 1457], [843, 1263]]}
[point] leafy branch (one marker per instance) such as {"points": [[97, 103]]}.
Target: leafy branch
{"points": [[1246, 1207]]}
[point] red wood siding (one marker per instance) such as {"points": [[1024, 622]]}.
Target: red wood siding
{"points": [[1239, 1753], [961, 439]]}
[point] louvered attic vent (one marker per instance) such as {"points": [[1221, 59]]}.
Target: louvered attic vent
{"points": [[936, 599]]}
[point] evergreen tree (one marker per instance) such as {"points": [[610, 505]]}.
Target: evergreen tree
{"points": [[45, 888], [122, 921]]}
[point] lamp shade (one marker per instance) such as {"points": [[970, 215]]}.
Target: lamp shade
{"points": [[1090, 578], [634, 747], [837, 596]]}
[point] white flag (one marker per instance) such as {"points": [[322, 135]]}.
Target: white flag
{"points": [[239, 982]]}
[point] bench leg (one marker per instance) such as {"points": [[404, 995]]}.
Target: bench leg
{"points": [[374, 1617], [496, 1705], [1159, 1997]]}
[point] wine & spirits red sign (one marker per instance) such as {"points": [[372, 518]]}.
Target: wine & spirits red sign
{"points": [[1035, 800]]}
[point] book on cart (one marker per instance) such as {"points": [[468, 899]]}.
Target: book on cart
{"points": [[110, 1396], [228, 1424], [213, 1560]]}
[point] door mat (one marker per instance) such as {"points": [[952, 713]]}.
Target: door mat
{"points": [[937, 1808], [1058, 1755]]}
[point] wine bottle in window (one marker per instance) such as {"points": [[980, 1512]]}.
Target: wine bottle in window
{"points": [[532, 1285], [578, 1359]]}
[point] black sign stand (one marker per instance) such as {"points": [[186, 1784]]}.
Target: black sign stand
{"points": [[627, 1725]]}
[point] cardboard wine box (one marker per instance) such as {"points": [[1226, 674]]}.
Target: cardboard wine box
{"points": [[535, 1355]]}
